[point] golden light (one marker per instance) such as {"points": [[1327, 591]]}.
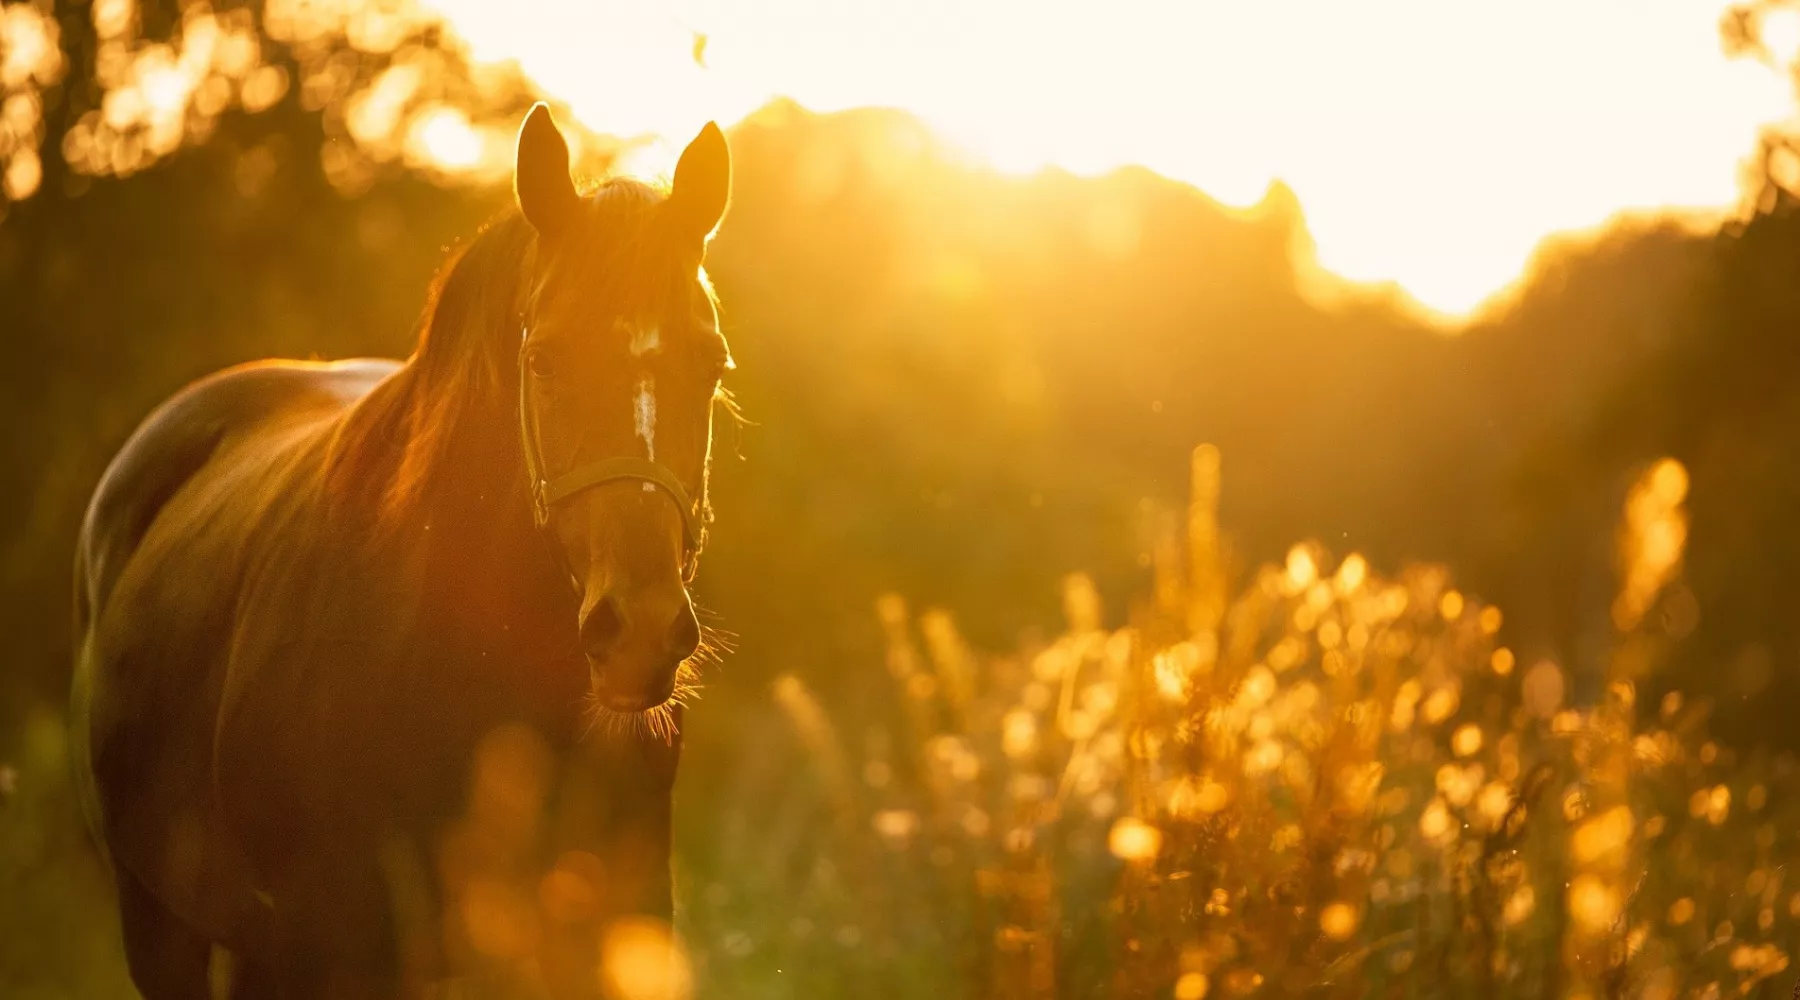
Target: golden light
{"points": [[1133, 839], [1543, 689], [1519, 906], [1654, 535], [1441, 704], [1437, 166], [1435, 821], [1197, 797], [1681, 911], [1603, 835], [1502, 661], [1191, 986], [896, 826], [640, 959], [1451, 605], [1490, 620], [1467, 740], [1494, 800], [1019, 733], [1593, 903], [1718, 805], [1339, 920], [1302, 569]]}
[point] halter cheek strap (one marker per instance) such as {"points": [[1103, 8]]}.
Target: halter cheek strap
{"points": [[547, 493]]}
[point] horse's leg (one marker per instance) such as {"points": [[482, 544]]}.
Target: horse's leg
{"points": [[254, 980], [334, 935], [167, 959]]}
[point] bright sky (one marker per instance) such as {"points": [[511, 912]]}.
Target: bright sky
{"points": [[1431, 142]]}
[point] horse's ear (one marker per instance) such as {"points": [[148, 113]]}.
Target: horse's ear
{"points": [[702, 183], [541, 179]]}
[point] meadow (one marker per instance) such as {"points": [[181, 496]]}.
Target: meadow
{"points": [[1314, 781], [1111, 614]]}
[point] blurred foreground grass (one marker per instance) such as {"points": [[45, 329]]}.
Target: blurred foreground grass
{"points": [[1316, 781], [1326, 783]]}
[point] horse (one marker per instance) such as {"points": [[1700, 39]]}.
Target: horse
{"points": [[356, 639]]}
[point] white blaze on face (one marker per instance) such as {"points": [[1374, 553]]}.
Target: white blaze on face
{"points": [[645, 337], [643, 412]]}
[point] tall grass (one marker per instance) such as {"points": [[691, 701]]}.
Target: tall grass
{"points": [[1316, 781]]}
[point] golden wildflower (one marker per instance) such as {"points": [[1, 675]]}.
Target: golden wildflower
{"points": [[1302, 569], [1451, 605], [1502, 661], [1435, 821], [1542, 689], [1132, 839], [1339, 920], [1262, 758], [1602, 835], [1018, 733], [1681, 911], [1243, 981], [1467, 740], [1593, 903], [1191, 986], [1405, 700], [1494, 799], [1718, 805], [1441, 703], [896, 826], [1519, 906], [1489, 620]]}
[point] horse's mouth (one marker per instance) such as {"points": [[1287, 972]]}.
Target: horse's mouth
{"points": [[632, 699], [654, 714], [628, 704]]}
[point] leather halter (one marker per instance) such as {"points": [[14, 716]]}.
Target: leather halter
{"points": [[547, 493]]}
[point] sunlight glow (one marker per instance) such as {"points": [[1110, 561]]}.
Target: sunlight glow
{"points": [[1431, 144], [445, 136]]}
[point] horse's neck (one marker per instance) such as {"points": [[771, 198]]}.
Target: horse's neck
{"points": [[491, 554], [453, 510]]}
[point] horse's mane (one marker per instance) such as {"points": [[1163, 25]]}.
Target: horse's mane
{"points": [[398, 439]]}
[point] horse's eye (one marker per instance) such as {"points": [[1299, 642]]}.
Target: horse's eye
{"points": [[539, 361]]}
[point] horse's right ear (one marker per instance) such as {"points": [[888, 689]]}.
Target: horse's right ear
{"points": [[541, 179]]}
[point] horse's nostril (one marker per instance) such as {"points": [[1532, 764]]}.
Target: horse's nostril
{"points": [[684, 635], [603, 628]]}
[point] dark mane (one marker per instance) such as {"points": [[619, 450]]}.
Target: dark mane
{"points": [[459, 385]]}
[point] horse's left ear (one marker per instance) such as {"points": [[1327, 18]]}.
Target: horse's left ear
{"points": [[702, 183]]}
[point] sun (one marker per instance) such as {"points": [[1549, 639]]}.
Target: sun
{"points": [[1431, 145]]}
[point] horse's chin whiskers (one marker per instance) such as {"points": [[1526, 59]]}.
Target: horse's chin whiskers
{"points": [[609, 725]]}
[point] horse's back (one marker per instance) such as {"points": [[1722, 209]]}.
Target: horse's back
{"points": [[187, 432], [155, 571]]}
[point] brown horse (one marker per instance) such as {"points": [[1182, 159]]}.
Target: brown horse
{"points": [[330, 615]]}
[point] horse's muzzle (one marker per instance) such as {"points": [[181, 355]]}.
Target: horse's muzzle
{"points": [[635, 648]]}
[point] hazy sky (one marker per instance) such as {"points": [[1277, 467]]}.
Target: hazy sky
{"points": [[1432, 142]]}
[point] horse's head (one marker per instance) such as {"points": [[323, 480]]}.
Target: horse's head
{"points": [[619, 369]]}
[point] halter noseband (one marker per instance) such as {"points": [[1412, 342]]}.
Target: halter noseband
{"points": [[547, 493]]}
